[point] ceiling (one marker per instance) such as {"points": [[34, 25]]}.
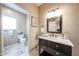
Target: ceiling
{"points": [[38, 4]]}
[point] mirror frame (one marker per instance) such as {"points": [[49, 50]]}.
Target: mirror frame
{"points": [[50, 19]]}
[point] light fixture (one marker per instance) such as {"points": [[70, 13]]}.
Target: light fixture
{"points": [[58, 12], [49, 15], [42, 28], [54, 13]]}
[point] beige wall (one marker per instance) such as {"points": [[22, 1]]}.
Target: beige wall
{"points": [[33, 11], [21, 26], [70, 21], [0, 33]]}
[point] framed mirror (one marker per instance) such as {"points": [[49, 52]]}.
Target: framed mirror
{"points": [[54, 25]]}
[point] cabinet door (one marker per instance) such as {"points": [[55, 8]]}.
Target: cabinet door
{"points": [[54, 45], [65, 49]]}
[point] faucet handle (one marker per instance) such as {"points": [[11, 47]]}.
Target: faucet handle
{"points": [[52, 34], [55, 35]]}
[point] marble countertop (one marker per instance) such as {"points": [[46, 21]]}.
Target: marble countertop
{"points": [[59, 40]]}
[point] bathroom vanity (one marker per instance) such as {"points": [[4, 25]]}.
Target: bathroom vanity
{"points": [[55, 43], [55, 46]]}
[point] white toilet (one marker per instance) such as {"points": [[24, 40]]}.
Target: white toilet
{"points": [[22, 40]]}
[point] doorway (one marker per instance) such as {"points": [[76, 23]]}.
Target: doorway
{"points": [[15, 32]]}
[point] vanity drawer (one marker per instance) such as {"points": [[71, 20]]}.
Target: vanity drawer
{"points": [[50, 44], [45, 42], [42, 41]]}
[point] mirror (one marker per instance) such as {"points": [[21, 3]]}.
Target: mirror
{"points": [[54, 25]]}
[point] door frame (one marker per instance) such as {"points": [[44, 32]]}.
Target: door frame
{"points": [[17, 8]]}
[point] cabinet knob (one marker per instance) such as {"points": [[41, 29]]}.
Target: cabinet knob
{"points": [[57, 46], [43, 47], [57, 53]]}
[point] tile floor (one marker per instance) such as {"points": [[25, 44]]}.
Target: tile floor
{"points": [[16, 50]]}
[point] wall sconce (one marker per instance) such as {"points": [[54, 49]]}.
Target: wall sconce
{"points": [[54, 13], [42, 29]]}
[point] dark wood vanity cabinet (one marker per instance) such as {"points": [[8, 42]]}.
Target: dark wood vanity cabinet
{"points": [[54, 48]]}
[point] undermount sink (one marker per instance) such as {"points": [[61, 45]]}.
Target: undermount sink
{"points": [[58, 39]]}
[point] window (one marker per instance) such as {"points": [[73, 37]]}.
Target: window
{"points": [[8, 23]]}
